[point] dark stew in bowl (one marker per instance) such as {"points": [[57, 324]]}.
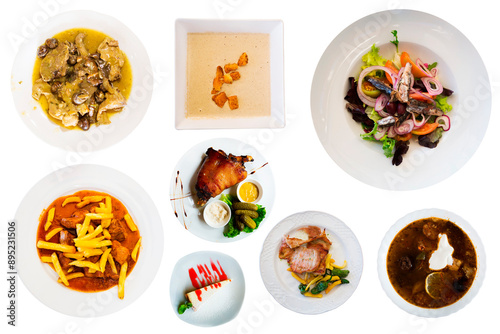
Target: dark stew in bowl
{"points": [[408, 263]]}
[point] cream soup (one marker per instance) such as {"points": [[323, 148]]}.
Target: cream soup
{"points": [[206, 51]]}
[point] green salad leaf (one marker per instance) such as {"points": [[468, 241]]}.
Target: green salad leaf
{"points": [[372, 58], [387, 143], [442, 103]]}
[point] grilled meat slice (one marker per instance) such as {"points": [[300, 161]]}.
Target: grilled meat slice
{"points": [[218, 172], [306, 255]]}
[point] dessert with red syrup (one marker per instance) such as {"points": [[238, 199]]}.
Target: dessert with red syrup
{"points": [[207, 281]]}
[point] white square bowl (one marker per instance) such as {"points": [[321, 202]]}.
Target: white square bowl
{"points": [[275, 30]]}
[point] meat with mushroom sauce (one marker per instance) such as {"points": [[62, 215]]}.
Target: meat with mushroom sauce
{"points": [[83, 76]]}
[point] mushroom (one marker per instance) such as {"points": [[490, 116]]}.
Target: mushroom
{"points": [[79, 98], [51, 43], [84, 123], [99, 96], [42, 51], [55, 86]]}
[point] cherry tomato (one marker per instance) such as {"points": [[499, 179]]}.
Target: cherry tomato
{"points": [[369, 89]]}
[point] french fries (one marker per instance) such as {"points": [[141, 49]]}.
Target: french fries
{"points": [[56, 247], [121, 280], [58, 269], [83, 263], [52, 232], [130, 223], [104, 259], [72, 199], [71, 276], [50, 217], [133, 255], [93, 240]]}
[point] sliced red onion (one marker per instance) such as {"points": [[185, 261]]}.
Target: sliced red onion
{"points": [[444, 122], [381, 131], [391, 132], [424, 68], [428, 82], [405, 127], [370, 101], [434, 72], [418, 124], [380, 104]]}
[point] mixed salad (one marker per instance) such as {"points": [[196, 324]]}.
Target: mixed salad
{"points": [[397, 99]]}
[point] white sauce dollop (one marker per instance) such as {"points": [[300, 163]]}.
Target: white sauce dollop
{"points": [[442, 256], [216, 214]]}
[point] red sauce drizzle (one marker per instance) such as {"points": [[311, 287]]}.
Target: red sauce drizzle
{"points": [[202, 276]]}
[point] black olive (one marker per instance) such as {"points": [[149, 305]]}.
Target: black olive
{"points": [[84, 123], [55, 86], [51, 43], [42, 51]]}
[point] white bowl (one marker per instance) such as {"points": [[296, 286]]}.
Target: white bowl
{"points": [[214, 224], [382, 263], [95, 138], [257, 184]]}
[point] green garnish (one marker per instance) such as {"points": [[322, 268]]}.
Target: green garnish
{"points": [[395, 41], [431, 66], [184, 306]]}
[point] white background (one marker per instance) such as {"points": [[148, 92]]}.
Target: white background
{"points": [[306, 178]]}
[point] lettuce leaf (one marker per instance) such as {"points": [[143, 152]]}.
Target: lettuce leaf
{"points": [[372, 58], [442, 103], [372, 114], [387, 143]]}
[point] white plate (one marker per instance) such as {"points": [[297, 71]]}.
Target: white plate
{"points": [[283, 287], [183, 195], [95, 138], [220, 308], [41, 280], [275, 30], [461, 69], [382, 264]]}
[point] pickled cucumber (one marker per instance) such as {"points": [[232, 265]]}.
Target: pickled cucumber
{"points": [[244, 206], [239, 223], [248, 221], [249, 213]]}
